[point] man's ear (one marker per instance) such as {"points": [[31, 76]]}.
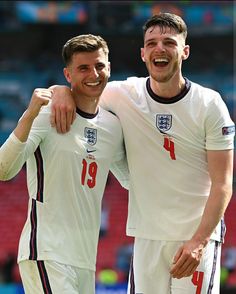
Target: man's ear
{"points": [[67, 74], [109, 69], [186, 52], [142, 54]]}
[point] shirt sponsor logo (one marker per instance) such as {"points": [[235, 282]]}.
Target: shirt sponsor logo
{"points": [[90, 135], [228, 130], [163, 122]]}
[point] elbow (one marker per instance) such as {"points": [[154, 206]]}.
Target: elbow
{"points": [[228, 192]]}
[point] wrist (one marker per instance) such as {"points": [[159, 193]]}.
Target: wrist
{"points": [[202, 241]]}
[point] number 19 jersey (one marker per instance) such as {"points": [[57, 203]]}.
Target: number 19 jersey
{"points": [[66, 178]]}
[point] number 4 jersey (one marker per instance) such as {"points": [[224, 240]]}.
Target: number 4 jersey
{"points": [[166, 142], [66, 178]]}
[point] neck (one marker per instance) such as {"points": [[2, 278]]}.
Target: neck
{"points": [[167, 89], [87, 104]]}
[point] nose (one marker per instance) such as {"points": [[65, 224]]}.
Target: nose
{"points": [[94, 72], [159, 47]]}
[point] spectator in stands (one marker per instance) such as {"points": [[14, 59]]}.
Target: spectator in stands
{"points": [[66, 175], [179, 141]]}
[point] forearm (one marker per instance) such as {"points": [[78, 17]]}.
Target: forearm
{"points": [[23, 127], [11, 157], [216, 205], [220, 167], [12, 151], [39, 98]]}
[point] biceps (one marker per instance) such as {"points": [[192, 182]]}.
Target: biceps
{"points": [[220, 165]]}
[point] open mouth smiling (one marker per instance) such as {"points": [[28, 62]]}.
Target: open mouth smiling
{"points": [[160, 62]]}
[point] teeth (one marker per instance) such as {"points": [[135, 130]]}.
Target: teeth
{"points": [[160, 60], [93, 84]]}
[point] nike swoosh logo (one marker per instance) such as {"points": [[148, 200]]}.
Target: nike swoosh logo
{"points": [[90, 151]]}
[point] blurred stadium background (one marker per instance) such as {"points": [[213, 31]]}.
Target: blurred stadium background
{"points": [[32, 34]]}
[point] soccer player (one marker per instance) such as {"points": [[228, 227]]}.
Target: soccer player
{"points": [[66, 175], [179, 143]]}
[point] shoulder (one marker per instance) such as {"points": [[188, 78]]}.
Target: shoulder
{"points": [[206, 97], [129, 83], [110, 125], [109, 121], [108, 116], [43, 118], [46, 110], [204, 92], [130, 88]]}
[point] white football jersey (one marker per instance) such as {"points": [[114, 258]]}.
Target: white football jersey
{"points": [[166, 142], [66, 177]]}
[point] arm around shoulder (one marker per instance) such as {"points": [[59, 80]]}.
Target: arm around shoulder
{"points": [[63, 108]]}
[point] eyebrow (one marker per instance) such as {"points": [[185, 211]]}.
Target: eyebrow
{"points": [[165, 39]]}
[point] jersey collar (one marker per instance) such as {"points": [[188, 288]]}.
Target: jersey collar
{"points": [[169, 100], [85, 114]]}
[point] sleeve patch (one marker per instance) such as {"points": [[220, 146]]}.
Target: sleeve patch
{"points": [[228, 130]]}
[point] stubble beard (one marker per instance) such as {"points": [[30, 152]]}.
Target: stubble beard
{"points": [[165, 77]]}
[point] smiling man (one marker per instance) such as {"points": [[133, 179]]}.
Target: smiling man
{"points": [[179, 140], [66, 175]]}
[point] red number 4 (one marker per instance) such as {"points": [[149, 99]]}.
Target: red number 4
{"points": [[89, 172], [197, 280], [170, 147]]}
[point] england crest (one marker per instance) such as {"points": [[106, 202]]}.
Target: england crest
{"points": [[163, 122], [90, 135]]}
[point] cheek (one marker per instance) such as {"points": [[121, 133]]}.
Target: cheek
{"points": [[146, 55], [74, 79]]}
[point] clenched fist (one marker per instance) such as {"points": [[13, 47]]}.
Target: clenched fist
{"points": [[39, 98]]}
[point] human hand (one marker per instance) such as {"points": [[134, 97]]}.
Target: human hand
{"points": [[39, 98], [187, 259], [63, 109]]}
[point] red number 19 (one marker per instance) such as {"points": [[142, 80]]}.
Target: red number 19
{"points": [[91, 170]]}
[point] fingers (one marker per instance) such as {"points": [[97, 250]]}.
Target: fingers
{"points": [[64, 125], [185, 268], [68, 120], [53, 117], [63, 111], [185, 264], [40, 97], [178, 254], [62, 119], [43, 93]]}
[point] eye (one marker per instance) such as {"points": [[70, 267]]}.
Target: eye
{"points": [[150, 44], [82, 68], [171, 43], [100, 66]]}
